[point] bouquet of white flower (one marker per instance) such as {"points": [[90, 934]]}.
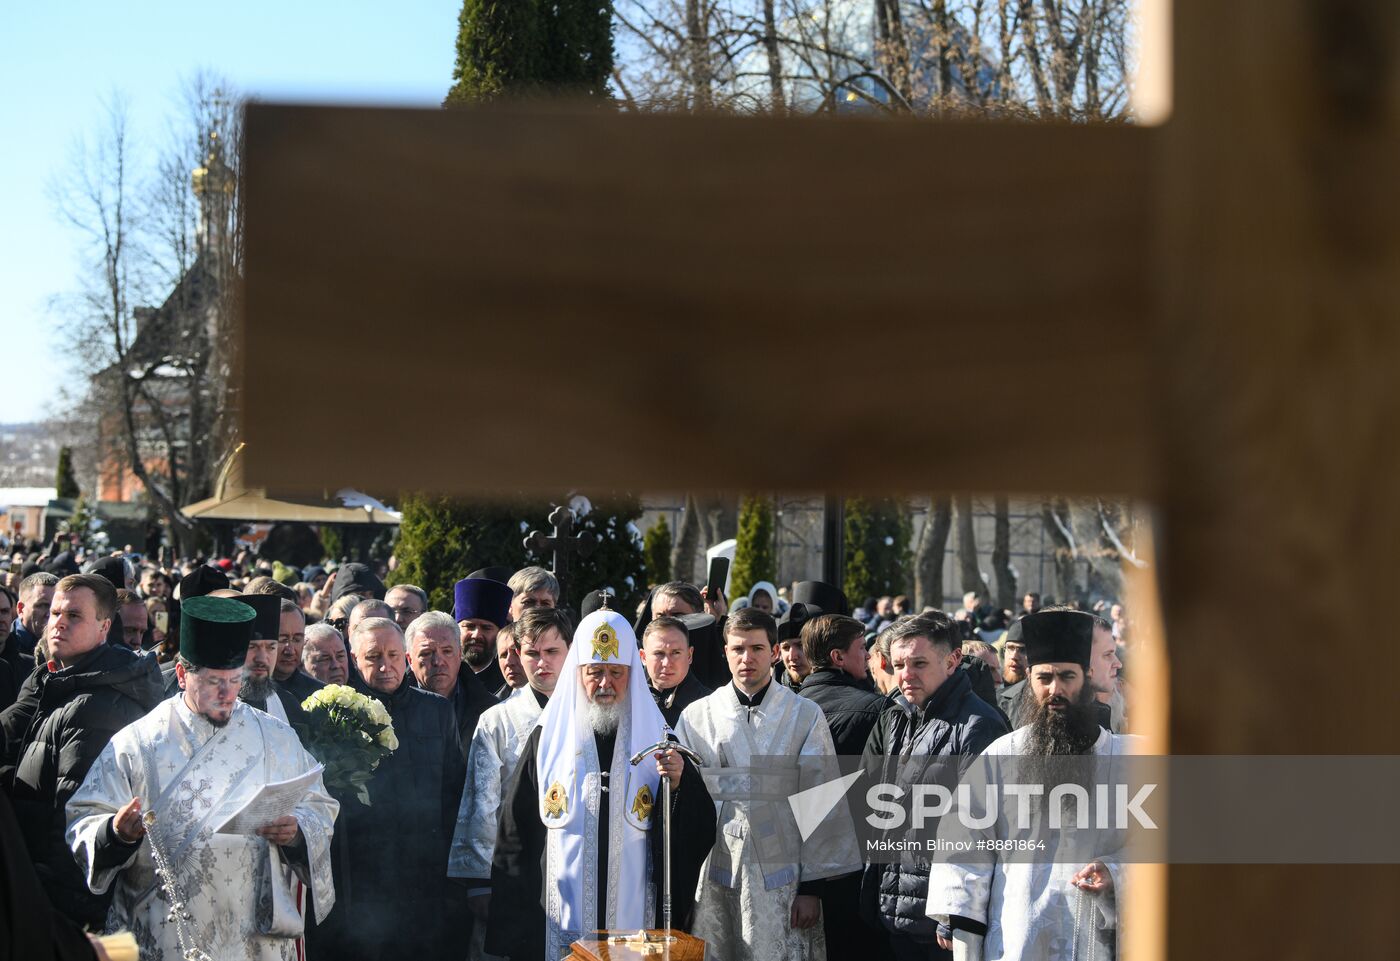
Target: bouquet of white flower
{"points": [[350, 734]]}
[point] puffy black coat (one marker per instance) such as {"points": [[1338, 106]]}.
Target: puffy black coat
{"points": [[953, 722], [53, 733], [851, 708]]}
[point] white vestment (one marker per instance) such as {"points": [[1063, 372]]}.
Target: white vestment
{"points": [[275, 708], [572, 784], [193, 776], [755, 759], [500, 737], [1031, 910]]}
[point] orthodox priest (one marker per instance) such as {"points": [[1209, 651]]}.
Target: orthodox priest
{"points": [[1021, 910], [193, 762], [481, 607], [580, 843]]}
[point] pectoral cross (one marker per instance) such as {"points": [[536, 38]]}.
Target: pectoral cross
{"points": [[562, 542]]}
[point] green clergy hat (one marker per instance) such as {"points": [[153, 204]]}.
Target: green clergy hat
{"points": [[215, 631]]}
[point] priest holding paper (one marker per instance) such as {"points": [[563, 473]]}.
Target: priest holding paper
{"points": [[222, 794]]}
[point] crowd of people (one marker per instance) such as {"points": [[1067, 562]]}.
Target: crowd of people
{"points": [[541, 754]]}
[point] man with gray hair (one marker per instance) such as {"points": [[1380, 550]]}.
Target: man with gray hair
{"points": [[397, 852], [532, 587], [363, 611], [323, 656], [435, 657]]}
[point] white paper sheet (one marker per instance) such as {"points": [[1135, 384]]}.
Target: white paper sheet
{"points": [[271, 802]]}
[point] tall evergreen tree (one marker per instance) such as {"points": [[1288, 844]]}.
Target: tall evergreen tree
{"points": [[65, 480], [514, 47], [754, 556], [498, 50], [656, 551], [877, 547], [442, 540], [577, 46]]}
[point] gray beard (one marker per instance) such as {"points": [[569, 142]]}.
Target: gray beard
{"points": [[604, 718], [255, 689]]}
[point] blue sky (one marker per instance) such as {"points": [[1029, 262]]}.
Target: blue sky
{"points": [[58, 62]]}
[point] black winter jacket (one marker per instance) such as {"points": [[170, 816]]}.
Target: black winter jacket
{"points": [[953, 722], [18, 661], [851, 709], [1010, 699], [470, 699], [9, 690], [53, 734], [394, 863]]}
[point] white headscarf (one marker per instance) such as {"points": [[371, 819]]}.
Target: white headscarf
{"points": [[772, 592]]}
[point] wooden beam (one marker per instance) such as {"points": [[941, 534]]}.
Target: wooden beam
{"points": [[1279, 345], [549, 297]]}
